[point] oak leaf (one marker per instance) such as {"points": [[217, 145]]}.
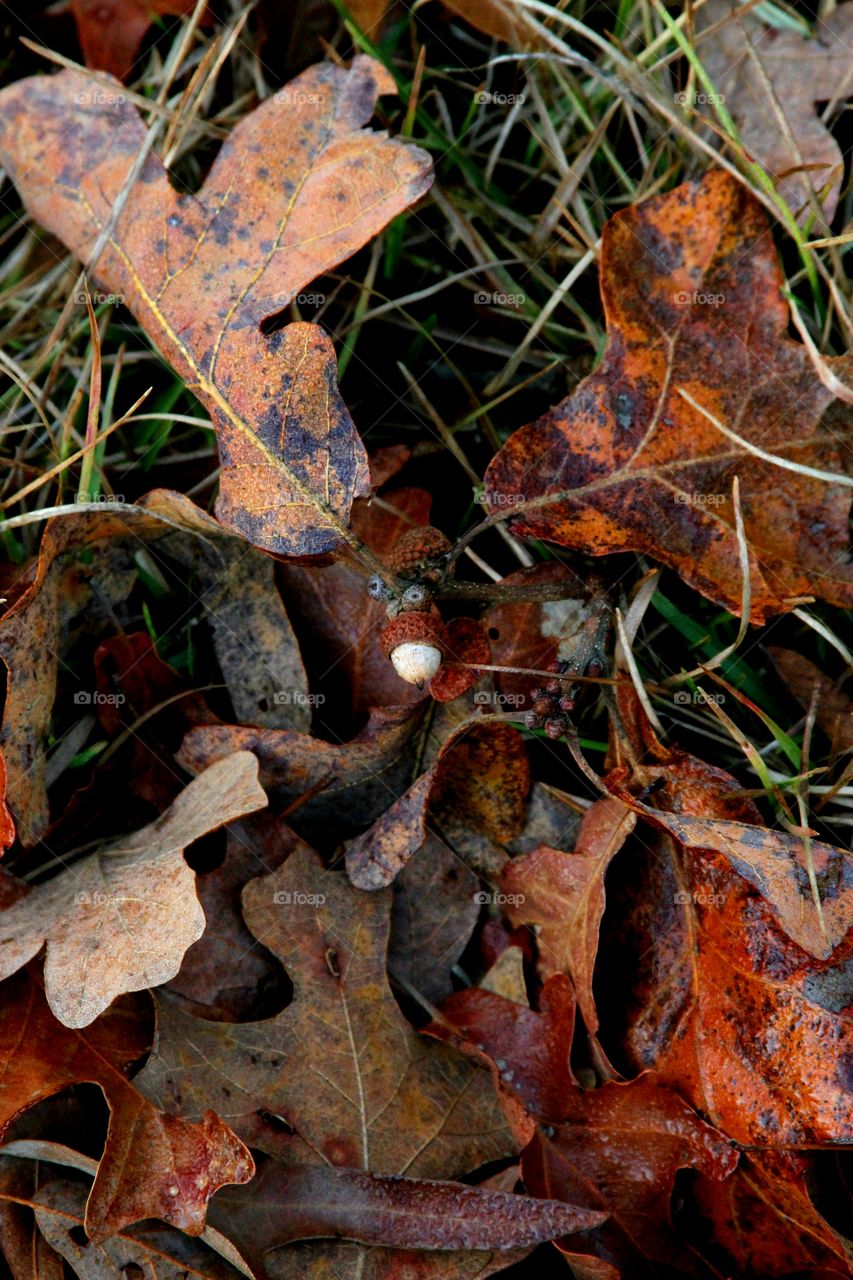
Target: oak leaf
{"points": [[297, 187], [121, 919], [721, 1003], [153, 1165], [692, 297], [771, 81]]}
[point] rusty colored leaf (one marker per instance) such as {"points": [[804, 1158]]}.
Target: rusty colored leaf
{"points": [[531, 1048], [750, 1028], [771, 81], [563, 894], [121, 919], [111, 31], [618, 1149], [153, 1165], [297, 187], [777, 865], [692, 297], [615, 1148], [481, 778], [7, 823], [65, 587], [764, 1220]]}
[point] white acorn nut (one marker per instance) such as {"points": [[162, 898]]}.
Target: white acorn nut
{"points": [[415, 643], [416, 663]]}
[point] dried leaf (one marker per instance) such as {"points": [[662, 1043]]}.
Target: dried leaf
{"points": [[433, 917], [771, 81], [397, 1213], [481, 775], [160, 1254], [692, 296], [339, 785], [111, 31], [153, 1165], [834, 711], [297, 187], [121, 919], [65, 587], [563, 893]]}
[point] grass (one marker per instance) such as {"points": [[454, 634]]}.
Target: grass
{"points": [[533, 152]]}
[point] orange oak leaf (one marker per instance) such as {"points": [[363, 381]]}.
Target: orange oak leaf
{"points": [[297, 187], [692, 296], [153, 1165], [719, 1000]]}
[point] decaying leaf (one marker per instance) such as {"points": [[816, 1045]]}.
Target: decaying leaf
{"points": [[771, 81], [121, 919], [331, 787], [751, 1028], [563, 893], [692, 297], [85, 566], [481, 774], [153, 1165], [297, 187], [111, 31]]}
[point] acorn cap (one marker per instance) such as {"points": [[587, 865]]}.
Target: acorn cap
{"points": [[413, 628], [416, 548]]}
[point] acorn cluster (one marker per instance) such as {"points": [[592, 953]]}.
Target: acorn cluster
{"points": [[553, 702]]}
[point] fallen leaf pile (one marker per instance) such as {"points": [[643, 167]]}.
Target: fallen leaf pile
{"points": [[307, 972]]}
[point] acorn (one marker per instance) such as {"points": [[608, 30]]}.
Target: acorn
{"points": [[416, 644], [416, 550]]}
